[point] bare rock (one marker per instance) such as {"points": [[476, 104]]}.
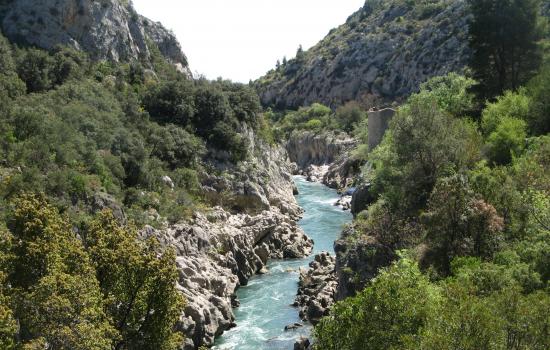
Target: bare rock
{"points": [[109, 29], [217, 253], [317, 288]]}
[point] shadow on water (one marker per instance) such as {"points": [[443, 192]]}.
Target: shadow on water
{"points": [[266, 301]]}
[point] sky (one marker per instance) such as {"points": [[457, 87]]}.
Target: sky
{"points": [[243, 39]]}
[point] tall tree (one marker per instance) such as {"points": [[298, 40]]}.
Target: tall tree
{"points": [[138, 283], [504, 37], [56, 296]]}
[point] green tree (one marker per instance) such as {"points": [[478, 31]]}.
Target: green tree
{"points": [[56, 295], [458, 223], [423, 143], [510, 105], [539, 90], [8, 324], [138, 284], [504, 36], [388, 314], [349, 116], [507, 141]]}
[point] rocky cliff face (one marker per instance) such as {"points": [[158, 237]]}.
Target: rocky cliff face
{"points": [[107, 29], [387, 49], [324, 157]]}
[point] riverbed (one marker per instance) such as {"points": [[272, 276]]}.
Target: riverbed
{"points": [[266, 302]]}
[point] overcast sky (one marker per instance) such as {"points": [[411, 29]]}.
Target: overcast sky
{"points": [[242, 39]]}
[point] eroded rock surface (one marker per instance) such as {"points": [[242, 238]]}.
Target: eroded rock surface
{"points": [[108, 29], [386, 49], [218, 252], [324, 157], [317, 288]]}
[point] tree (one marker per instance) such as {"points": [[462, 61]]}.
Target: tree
{"points": [[388, 314], [8, 324], [138, 283], [56, 295], [504, 37], [539, 90], [507, 141], [349, 115], [457, 223], [423, 143]]}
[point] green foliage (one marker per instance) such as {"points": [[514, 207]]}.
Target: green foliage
{"points": [[423, 143], [56, 295], [109, 290], [504, 36], [510, 105], [507, 141], [477, 222], [349, 116], [459, 224], [388, 314], [139, 286], [539, 90], [452, 93]]}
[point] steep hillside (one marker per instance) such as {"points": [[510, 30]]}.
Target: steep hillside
{"points": [[386, 49], [107, 29]]}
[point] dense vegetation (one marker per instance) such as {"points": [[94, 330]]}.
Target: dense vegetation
{"points": [[90, 152], [317, 118], [86, 133], [468, 204]]}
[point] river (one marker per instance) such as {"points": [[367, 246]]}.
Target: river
{"points": [[266, 301]]}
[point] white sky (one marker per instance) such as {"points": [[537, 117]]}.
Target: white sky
{"points": [[242, 39]]}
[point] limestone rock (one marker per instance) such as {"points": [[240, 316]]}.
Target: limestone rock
{"points": [[308, 148], [317, 288], [106, 30], [217, 253], [385, 49]]}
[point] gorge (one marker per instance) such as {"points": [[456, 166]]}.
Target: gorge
{"points": [[387, 188], [266, 302]]}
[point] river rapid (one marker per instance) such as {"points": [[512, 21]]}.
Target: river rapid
{"points": [[266, 302]]}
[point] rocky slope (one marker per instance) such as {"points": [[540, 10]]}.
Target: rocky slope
{"points": [[386, 49], [317, 288], [107, 29]]}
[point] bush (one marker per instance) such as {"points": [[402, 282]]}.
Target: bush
{"points": [[386, 315], [349, 116], [511, 105], [507, 140]]}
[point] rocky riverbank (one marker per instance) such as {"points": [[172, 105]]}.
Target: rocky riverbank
{"points": [[216, 253], [254, 219], [317, 288]]}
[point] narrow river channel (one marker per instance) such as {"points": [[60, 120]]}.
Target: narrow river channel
{"points": [[266, 301]]}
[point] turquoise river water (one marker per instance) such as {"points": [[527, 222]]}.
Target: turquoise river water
{"points": [[266, 301]]}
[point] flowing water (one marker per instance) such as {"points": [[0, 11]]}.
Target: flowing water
{"points": [[266, 301]]}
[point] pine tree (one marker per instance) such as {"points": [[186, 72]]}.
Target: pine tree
{"points": [[504, 37]]}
